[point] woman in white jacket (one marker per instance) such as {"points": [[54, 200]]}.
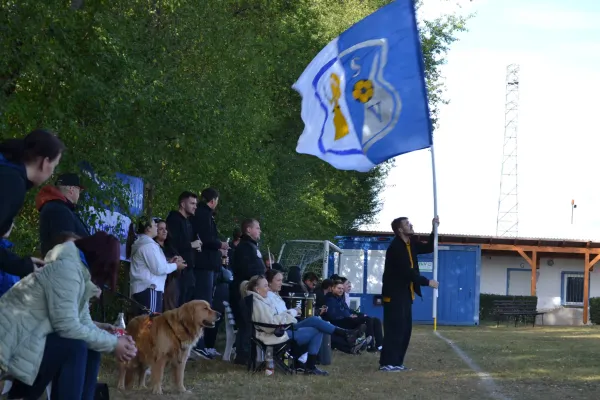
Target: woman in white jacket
{"points": [[149, 267]]}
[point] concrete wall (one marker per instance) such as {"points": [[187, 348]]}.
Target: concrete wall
{"points": [[512, 275]]}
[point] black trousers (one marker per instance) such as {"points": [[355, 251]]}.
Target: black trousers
{"points": [[397, 324], [149, 298], [204, 289], [373, 324]]}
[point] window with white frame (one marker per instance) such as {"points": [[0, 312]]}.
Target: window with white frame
{"points": [[572, 286], [375, 266], [352, 266]]}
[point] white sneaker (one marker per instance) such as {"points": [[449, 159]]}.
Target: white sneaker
{"points": [[303, 358], [213, 352]]}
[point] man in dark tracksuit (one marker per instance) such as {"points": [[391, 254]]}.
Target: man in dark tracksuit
{"points": [[207, 263], [401, 281], [181, 237], [247, 262]]}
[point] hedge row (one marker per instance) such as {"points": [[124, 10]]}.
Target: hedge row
{"points": [[486, 304]]}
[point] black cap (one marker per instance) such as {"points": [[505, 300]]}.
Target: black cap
{"points": [[69, 180]]}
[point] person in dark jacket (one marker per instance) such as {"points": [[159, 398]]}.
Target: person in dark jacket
{"points": [[401, 281], [7, 280], [56, 205], [183, 241], [208, 263], [247, 262], [339, 313], [24, 163]]}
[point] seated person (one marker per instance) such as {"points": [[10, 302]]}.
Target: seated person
{"points": [[294, 282], [46, 333], [264, 312], [275, 280], [322, 291], [311, 281], [339, 314]]}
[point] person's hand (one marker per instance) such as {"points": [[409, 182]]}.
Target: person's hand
{"points": [[224, 246], [435, 221], [106, 327], [38, 263], [125, 349], [298, 310], [196, 244], [433, 284], [323, 310], [181, 264]]}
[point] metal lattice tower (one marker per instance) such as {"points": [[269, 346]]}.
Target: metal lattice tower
{"points": [[507, 223]]}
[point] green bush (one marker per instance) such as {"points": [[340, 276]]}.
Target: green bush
{"points": [[486, 304], [595, 310]]}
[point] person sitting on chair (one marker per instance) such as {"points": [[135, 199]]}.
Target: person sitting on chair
{"points": [[263, 312], [339, 314]]}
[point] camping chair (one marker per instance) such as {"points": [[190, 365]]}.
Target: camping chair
{"points": [[230, 333], [279, 350]]}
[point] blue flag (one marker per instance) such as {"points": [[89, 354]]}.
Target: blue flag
{"points": [[364, 97]]}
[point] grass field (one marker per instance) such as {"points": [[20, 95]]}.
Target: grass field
{"points": [[526, 363], [535, 363]]}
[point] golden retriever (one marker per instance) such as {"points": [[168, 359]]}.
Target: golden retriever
{"points": [[165, 339]]}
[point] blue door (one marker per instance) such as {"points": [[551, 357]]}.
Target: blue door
{"points": [[457, 277]]}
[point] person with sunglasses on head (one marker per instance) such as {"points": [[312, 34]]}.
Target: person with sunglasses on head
{"points": [[57, 205], [24, 163]]}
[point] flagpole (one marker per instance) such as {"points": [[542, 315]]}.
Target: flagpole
{"points": [[435, 239]]}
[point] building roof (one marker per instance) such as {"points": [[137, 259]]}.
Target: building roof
{"points": [[483, 239]]}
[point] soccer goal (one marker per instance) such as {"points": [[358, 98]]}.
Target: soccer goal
{"points": [[308, 255]]}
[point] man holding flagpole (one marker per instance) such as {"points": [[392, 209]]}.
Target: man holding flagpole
{"points": [[401, 282], [364, 102]]}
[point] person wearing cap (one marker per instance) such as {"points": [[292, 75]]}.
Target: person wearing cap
{"points": [[57, 207]]}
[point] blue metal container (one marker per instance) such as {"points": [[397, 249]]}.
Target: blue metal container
{"points": [[459, 271]]}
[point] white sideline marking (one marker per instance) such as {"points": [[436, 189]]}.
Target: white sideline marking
{"points": [[486, 378]]}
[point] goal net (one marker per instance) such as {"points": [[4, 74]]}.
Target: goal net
{"points": [[308, 255]]}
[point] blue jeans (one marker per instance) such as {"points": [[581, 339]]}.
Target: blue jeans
{"points": [[69, 365], [203, 290], [317, 323], [307, 335]]}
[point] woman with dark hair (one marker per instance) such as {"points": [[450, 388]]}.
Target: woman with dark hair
{"points": [[24, 163], [171, 294], [149, 267], [46, 332]]}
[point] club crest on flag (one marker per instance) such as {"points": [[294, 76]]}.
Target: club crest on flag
{"points": [[356, 99], [364, 98]]}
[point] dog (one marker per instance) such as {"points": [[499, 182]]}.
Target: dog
{"points": [[165, 339]]}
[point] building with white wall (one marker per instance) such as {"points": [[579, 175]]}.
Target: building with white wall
{"points": [[563, 277]]}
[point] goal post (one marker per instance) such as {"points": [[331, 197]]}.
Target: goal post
{"points": [[308, 255]]}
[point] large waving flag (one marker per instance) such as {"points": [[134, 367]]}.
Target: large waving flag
{"points": [[364, 98]]}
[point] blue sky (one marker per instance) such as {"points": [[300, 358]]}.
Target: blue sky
{"points": [[557, 45]]}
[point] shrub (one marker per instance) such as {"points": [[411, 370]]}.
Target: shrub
{"points": [[486, 304], [595, 310]]}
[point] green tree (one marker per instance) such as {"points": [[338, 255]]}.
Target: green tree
{"points": [[188, 95]]}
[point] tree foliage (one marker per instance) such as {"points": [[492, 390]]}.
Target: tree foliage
{"points": [[189, 94]]}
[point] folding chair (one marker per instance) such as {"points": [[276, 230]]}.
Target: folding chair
{"points": [[230, 332], [279, 350]]}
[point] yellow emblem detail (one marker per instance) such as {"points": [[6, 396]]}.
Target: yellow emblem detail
{"points": [[363, 90], [339, 121]]}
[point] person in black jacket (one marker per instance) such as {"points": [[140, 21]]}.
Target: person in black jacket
{"points": [[24, 163], [56, 205], [247, 262], [208, 263], [183, 241], [401, 281]]}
